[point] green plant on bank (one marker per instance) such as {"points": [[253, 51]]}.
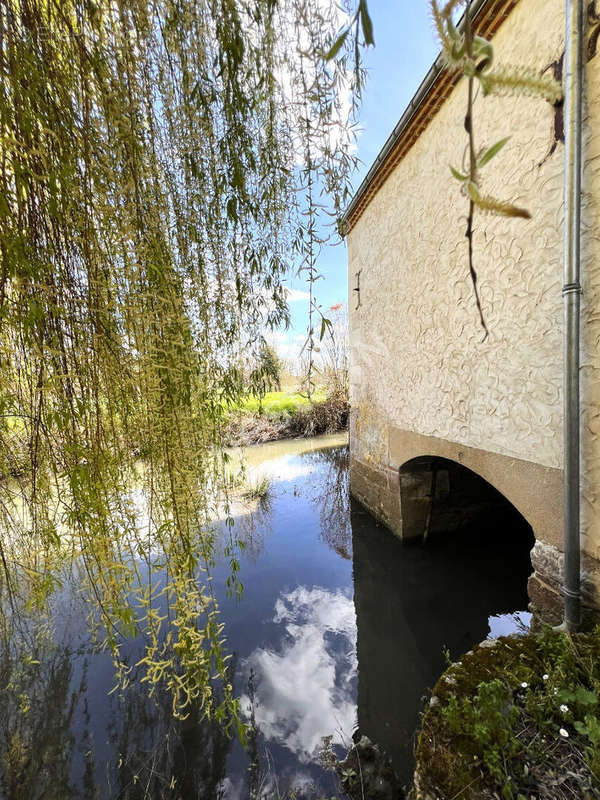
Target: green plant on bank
{"points": [[491, 716], [473, 56], [150, 158], [518, 719]]}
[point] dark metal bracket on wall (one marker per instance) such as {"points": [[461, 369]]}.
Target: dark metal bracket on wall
{"points": [[357, 289], [557, 69]]}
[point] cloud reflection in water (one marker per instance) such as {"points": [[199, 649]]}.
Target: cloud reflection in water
{"points": [[306, 689], [284, 468]]}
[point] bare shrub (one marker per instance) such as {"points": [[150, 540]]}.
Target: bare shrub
{"points": [[327, 417]]}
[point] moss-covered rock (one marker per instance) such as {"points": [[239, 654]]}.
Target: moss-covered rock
{"points": [[516, 718]]}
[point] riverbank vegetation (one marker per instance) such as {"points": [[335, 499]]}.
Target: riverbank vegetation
{"points": [[283, 415], [517, 718], [290, 403]]}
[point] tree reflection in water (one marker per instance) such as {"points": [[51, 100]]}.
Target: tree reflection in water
{"points": [[51, 748], [160, 756], [252, 526], [333, 498], [37, 704]]}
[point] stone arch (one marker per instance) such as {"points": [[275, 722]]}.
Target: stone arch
{"points": [[438, 494], [533, 489]]}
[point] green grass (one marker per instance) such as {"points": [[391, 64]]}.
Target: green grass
{"points": [[279, 402]]}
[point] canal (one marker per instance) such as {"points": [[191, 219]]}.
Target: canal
{"points": [[340, 628]]}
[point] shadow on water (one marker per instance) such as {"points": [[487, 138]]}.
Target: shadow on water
{"points": [[415, 601], [340, 625]]}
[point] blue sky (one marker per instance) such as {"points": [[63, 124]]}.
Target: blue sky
{"points": [[405, 48]]}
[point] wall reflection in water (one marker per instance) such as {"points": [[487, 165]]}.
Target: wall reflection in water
{"points": [[414, 601]]}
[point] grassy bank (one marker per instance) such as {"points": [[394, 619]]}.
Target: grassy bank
{"points": [[274, 403], [518, 719], [281, 415]]}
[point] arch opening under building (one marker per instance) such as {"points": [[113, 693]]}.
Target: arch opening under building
{"points": [[439, 496]]}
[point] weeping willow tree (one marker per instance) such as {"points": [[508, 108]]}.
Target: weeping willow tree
{"points": [[159, 167]]}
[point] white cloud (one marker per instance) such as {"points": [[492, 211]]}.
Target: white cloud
{"points": [[287, 468], [286, 343], [295, 295]]}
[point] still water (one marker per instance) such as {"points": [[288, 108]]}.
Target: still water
{"points": [[340, 627]]}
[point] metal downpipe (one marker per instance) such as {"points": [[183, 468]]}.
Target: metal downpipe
{"points": [[574, 36]]}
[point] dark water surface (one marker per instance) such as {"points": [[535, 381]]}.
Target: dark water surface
{"points": [[340, 626]]}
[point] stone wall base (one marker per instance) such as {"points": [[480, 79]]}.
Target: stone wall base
{"points": [[379, 491], [544, 586]]}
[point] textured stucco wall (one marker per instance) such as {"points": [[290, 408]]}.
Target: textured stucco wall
{"points": [[418, 362]]}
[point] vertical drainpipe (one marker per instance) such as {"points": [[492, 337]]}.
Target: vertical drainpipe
{"points": [[574, 36]]}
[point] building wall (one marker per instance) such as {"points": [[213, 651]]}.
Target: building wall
{"points": [[418, 363]]}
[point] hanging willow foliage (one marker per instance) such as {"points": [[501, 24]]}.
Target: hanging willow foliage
{"points": [[153, 177]]}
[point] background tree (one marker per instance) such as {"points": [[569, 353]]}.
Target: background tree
{"points": [[335, 351], [267, 373]]}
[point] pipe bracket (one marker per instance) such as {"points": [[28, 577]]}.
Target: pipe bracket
{"points": [[569, 593], [572, 288]]}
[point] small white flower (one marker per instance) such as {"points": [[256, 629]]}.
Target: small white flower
{"points": [[555, 690], [524, 685], [564, 733], [564, 708], [545, 677]]}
